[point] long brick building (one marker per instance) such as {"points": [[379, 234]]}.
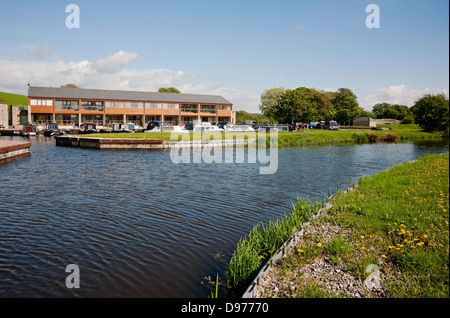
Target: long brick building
{"points": [[75, 106]]}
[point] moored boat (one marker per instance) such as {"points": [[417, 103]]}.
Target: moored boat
{"points": [[124, 128], [88, 128], [239, 128], [206, 127], [51, 129], [159, 126], [29, 130]]}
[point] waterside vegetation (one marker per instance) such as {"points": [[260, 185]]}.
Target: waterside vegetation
{"points": [[305, 138], [395, 221]]}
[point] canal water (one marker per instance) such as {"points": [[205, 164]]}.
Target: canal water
{"points": [[138, 225]]}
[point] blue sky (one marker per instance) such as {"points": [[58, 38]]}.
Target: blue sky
{"points": [[233, 48]]}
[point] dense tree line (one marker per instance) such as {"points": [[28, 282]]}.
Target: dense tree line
{"points": [[242, 117], [309, 105]]}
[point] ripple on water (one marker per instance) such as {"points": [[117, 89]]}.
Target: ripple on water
{"points": [[139, 226]]}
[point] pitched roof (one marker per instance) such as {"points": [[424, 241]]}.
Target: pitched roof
{"points": [[365, 118], [82, 93]]}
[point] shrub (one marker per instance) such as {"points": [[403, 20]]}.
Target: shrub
{"points": [[362, 138], [372, 136], [389, 137]]}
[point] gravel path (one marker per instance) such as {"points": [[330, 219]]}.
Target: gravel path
{"points": [[333, 280]]}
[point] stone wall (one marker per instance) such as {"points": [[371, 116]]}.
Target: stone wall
{"points": [[388, 121], [4, 122]]}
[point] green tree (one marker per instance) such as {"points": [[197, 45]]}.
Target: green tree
{"points": [[346, 106], [242, 117], [270, 100], [322, 103], [169, 90], [386, 110], [296, 105], [301, 104], [431, 112], [70, 85], [365, 113]]}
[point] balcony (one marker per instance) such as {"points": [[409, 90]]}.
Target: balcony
{"points": [[92, 108]]}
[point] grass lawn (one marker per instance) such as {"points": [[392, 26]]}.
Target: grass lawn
{"points": [[312, 137], [396, 220]]}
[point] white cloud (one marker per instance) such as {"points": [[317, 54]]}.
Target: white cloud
{"points": [[114, 62], [44, 51], [111, 73], [397, 94]]}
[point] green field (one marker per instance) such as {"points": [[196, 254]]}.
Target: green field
{"points": [[13, 99], [396, 220]]}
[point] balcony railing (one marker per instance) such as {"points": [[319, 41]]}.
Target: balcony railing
{"points": [[71, 108], [93, 108]]}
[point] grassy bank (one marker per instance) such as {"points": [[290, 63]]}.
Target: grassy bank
{"points": [[312, 137], [14, 99], [396, 220]]}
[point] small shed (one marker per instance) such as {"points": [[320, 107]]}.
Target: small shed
{"points": [[365, 121]]}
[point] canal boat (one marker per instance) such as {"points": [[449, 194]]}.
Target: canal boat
{"points": [[154, 126], [159, 126], [239, 128], [51, 129], [206, 127], [29, 130], [272, 128], [115, 127], [88, 128], [127, 128]]}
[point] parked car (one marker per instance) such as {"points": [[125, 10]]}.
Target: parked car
{"points": [[320, 124], [331, 125]]}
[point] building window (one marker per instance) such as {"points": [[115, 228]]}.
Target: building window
{"points": [[96, 119], [66, 105], [41, 102], [189, 108], [92, 105], [114, 104], [223, 107], [66, 119], [135, 104], [153, 105], [208, 109], [41, 118]]}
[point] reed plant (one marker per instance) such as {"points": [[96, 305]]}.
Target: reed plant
{"points": [[389, 137], [254, 250]]}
